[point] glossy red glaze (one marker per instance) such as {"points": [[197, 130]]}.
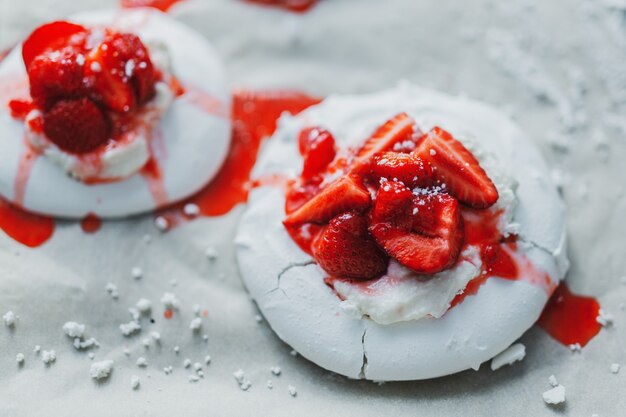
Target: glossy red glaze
{"points": [[29, 229], [168, 313], [91, 223], [163, 5], [570, 318]]}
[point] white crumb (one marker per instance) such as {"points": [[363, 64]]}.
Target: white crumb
{"points": [[207, 359], [112, 290], [187, 363], [146, 343], [575, 347], [292, 390], [515, 352], [129, 328], [176, 350], [101, 370], [211, 253], [19, 358], [605, 319], [205, 337], [134, 313], [258, 318], [141, 362], [134, 382], [91, 355], [144, 305], [270, 385], [156, 336], [126, 351], [136, 272], [73, 329], [293, 352], [275, 370], [170, 300], [240, 377], [194, 378], [555, 395], [552, 381], [161, 223], [191, 210], [85, 344], [48, 356], [37, 349], [10, 319], [197, 366], [196, 324], [615, 367]]}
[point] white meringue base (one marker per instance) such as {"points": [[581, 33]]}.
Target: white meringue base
{"points": [[306, 314], [194, 142]]}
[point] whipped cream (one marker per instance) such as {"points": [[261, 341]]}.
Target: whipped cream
{"points": [[119, 158]]}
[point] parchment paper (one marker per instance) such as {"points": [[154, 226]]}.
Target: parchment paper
{"points": [[558, 67]]}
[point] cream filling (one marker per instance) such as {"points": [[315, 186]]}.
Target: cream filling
{"points": [[118, 159], [402, 295]]}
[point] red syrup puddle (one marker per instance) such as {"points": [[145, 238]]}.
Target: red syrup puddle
{"points": [[162, 5], [296, 6], [91, 223], [570, 318], [29, 229], [254, 115]]}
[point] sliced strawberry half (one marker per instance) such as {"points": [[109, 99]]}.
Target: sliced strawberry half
{"points": [[455, 166], [425, 246], [394, 204], [77, 125], [343, 195], [55, 75], [395, 130], [345, 249], [120, 72], [317, 146], [404, 167], [54, 35]]}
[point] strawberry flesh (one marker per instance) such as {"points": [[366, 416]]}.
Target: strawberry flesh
{"points": [[317, 146], [77, 125], [426, 246], [397, 129], [457, 168], [51, 36], [344, 194], [345, 249], [404, 167]]}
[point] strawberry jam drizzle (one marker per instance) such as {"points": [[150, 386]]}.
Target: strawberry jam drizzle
{"points": [[162, 5], [254, 118], [90, 223], [296, 6], [570, 318]]}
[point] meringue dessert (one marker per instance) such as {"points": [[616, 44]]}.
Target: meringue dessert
{"points": [[111, 113], [414, 234]]}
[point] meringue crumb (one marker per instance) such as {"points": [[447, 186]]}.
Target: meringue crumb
{"points": [[552, 381], [146, 343], [112, 290], [187, 363], [240, 377], [605, 319], [37, 349], [129, 328], [292, 391], [170, 301], [141, 362], [555, 395], [73, 329], [194, 378], [91, 355], [126, 351], [156, 336], [575, 347], [258, 318], [101, 370], [615, 367], [275, 370], [205, 337], [176, 350], [10, 318], [48, 356], [19, 358], [134, 382], [270, 385], [197, 366], [211, 253], [161, 223], [144, 305], [191, 210], [207, 359], [514, 353], [293, 353], [136, 272], [196, 324]]}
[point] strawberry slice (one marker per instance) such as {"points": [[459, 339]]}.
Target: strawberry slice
{"points": [[55, 75], [395, 130], [343, 195], [120, 72], [52, 35], [455, 166], [317, 146], [76, 126], [425, 245], [403, 167], [345, 249]]}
